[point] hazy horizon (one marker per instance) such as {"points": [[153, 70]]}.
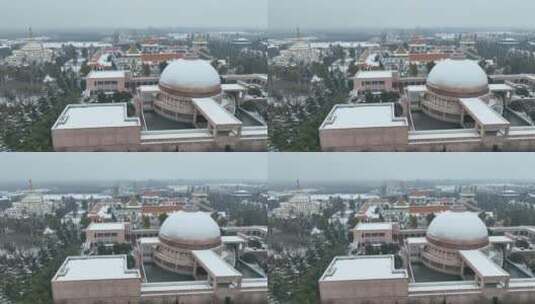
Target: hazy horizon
{"points": [[338, 14], [68, 14], [264, 167]]}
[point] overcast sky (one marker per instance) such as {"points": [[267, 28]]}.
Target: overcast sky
{"points": [[50, 167], [277, 167], [400, 166], [324, 14], [71, 14]]}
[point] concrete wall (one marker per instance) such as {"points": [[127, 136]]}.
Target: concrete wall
{"points": [[125, 291], [98, 139], [92, 236], [364, 292], [91, 84], [208, 297], [364, 139], [128, 139]]}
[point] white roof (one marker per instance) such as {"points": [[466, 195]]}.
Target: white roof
{"points": [[215, 113], [373, 74], [416, 241], [457, 226], [374, 226], [457, 74], [106, 226], [232, 239], [81, 116], [190, 74], [233, 87], [192, 226], [497, 239], [106, 74], [500, 87], [214, 264], [482, 113], [84, 268], [363, 116], [149, 88], [416, 88], [481, 264], [149, 240], [356, 268]]}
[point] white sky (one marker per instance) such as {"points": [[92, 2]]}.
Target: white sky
{"points": [[323, 14], [72, 14], [264, 166]]}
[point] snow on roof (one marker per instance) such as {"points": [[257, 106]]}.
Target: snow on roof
{"points": [[229, 87], [149, 240], [357, 268], [373, 74], [416, 241], [416, 88], [496, 239], [190, 226], [370, 60], [214, 264], [81, 116], [457, 74], [149, 88], [85, 268], [496, 87], [232, 239], [106, 74], [214, 113], [191, 74], [106, 226], [457, 226], [363, 116], [373, 226], [481, 264], [482, 113]]}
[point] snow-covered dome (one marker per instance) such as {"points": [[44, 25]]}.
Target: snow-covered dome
{"points": [[458, 229], [461, 77], [190, 75], [185, 226]]}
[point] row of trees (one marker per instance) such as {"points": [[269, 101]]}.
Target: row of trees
{"points": [[294, 274]]}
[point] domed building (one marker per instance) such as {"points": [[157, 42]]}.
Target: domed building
{"points": [[448, 82], [180, 234], [448, 233], [180, 82]]}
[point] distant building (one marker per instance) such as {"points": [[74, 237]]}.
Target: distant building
{"points": [[33, 52], [106, 233]]}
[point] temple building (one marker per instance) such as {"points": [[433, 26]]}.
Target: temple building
{"points": [[33, 52], [189, 262], [189, 110], [456, 109]]}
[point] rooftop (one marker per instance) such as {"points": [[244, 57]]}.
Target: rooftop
{"points": [[373, 74], [481, 264], [356, 268], [81, 116], [214, 264], [106, 226], [482, 113], [85, 268], [106, 74], [344, 116], [214, 112], [374, 226]]}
